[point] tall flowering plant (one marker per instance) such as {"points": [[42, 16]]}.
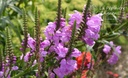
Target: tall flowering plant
{"points": [[57, 55]]}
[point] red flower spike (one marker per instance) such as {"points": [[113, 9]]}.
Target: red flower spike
{"points": [[109, 73], [116, 75], [112, 74], [79, 59], [84, 73]]}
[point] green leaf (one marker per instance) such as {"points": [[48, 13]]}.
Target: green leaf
{"points": [[2, 6], [31, 16], [15, 29], [16, 9]]}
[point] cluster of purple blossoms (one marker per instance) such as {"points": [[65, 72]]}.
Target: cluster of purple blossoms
{"points": [[113, 52], [6, 67], [31, 44], [75, 17], [93, 28], [66, 67], [56, 41], [2, 71], [59, 40], [60, 36]]}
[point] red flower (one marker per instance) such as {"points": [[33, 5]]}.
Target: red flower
{"points": [[79, 59], [112, 74], [84, 73], [109, 73], [116, 75]]}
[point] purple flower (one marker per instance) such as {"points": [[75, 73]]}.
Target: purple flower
{"points": [[56, 37], [93, 28], [106, 49], [96, 19], [66, 67], [61, 50], [59, 72], [90, 66], [51, 74], [91, 34], [10, 60], [27, 56], [66, 34], [117, 50], [31, 43], [14, 59], [76, 53], [75, 17], [34, 63], [62, 22], [94, 23], [42, 54], [111, 43], [1, 74], [113, 59], [44, 44], [49, 31], [52, 49], [15, 68], [89, 41], [71, 65]]}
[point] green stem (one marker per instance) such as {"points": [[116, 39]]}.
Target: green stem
{"points": [[121, 26], [72, 40], [110, 34], [65, 11]]}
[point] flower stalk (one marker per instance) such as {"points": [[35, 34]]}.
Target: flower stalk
{"points": [[120, 19], [58, 15], [83, 27], [71, 40], [1, 60], [25, 32], [37, 35], [9, 53], [83, 23]]}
